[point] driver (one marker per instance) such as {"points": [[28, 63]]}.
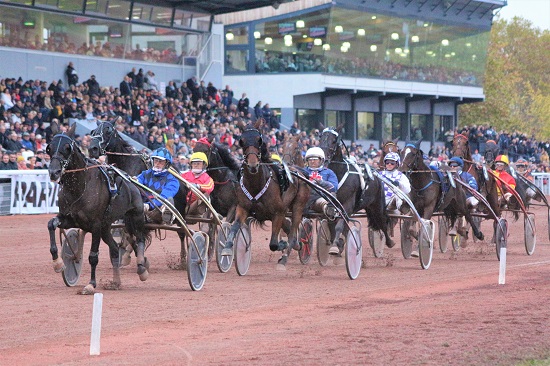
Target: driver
{"points": [[522, 167], [501, 163], [394, 204], [161, 181], [456, 164], [198, 176]]}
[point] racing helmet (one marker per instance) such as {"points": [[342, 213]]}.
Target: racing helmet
{"points": [[393, 156], [502, 159], [315, 152], [458, 160], [162, 154], [522, 161], [199, 156], [276, 158]]}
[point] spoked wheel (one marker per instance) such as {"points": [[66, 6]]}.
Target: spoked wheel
{"points": [[305, 235], [197, 261], [210, 228], [501, 236], [243, 250], [223, 261], [377, 242], [477, 222], [406, 238], [529, 233], [72, 253], [354, 252], [426, 243], [323, 242], [456, 240], [443, 231]]}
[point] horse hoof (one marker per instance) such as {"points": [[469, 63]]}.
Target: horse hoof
{"points": [[88, 290], [144, 276], [146, 264], [280, 267], [58, 265], [390, 243]]}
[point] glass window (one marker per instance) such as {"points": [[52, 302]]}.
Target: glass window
{"points": [[419, 127], [236, 36], [113, 8], [236, 61], [391, 126], [308, 119], [142, 12], [162, 15], [365, 126]]}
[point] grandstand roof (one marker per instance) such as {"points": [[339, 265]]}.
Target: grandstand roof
{"points": [[215, 7]]}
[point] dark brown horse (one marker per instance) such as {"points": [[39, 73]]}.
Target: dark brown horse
{"points": [[292, 151], [85, 202], [486, 183], [387, 147], [261, 196], [427, 190]]}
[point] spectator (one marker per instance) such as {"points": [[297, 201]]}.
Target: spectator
{"points": [[93, 85], [126, 87], [243, 105], [132, 76], [6, 164], [72, 76], [27, 143]]}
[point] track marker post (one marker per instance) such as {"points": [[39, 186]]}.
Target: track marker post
{"points": [[502, 267], [96, 324]]}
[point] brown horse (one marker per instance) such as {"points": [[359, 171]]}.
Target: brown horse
{"points": [[260, 195], [292, 151], [427, 193], [487, 184]]}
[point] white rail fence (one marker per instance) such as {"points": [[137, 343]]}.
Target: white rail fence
{"points": [[32, 192]]}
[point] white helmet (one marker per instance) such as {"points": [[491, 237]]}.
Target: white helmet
{"points": [[392, 156], [315, 152]]}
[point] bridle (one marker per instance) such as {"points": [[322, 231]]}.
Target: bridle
{"points": [[332, 147], [460, 147], [64, 162], [258, 154], [101, 139]]}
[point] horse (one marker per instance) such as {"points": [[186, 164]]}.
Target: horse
{"points": [[487, 187], [352, 193], [292, 151], [223, 169], [428, 191], [86, 202], [107, 141], [262, 194]]}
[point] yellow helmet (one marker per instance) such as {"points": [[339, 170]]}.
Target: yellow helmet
{"points": [[199, 156], [502, 159], [276, 157]]}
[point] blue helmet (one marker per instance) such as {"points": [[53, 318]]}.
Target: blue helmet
{"points": [[457, 160], [162, 154]]}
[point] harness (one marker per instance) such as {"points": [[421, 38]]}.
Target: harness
{"points": [[261, 193]]}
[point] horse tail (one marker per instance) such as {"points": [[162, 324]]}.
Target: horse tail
{"points": [[256, 223], [374, 214]]}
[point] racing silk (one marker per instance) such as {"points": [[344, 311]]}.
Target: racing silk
{"points": [[505, 177], [163, 183], [330, 181], [204, 181], [468, 178], [399, 179]]}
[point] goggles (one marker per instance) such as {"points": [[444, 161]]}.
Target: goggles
{"points": [[390, 162]]}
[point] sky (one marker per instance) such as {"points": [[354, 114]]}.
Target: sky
{"points": [[536, 11]]}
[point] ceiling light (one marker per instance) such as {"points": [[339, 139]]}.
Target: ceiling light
{"points": [[288, 42], [229, 36], [257, 35], [326, 47], [338, 29], [317, 41], [373, 48], [360, 32], [268, 40], [415, 39], [395, 36], [300, 24], [287, 37], [468, 44], [343, 49], [373, 17], [346, 44], [444, 42], [398, 50]]}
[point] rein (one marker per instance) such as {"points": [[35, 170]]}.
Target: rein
{"points": [[123, 154], [82, 169]]}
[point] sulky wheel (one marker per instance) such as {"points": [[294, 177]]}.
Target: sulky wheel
{"points": [[243, 250], [529, 233], [354, 252], [426, 243], [72, 253], [323, 242], [223, 261], [305, 235], [197, 261], [377, 242], [406, 238], [443, 231], [501, 235], [456, 240]]}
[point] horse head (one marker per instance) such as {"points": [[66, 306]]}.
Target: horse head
{"points": [[491, 152], [254, 148], [61, 150], [411, 156], [461, 146], [102, 139], [292, 151], [330, 142]]}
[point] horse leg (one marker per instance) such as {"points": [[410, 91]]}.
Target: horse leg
{"points": [[93, 259], [340, 231], [240, 217], [113, 255], [58, 264], [470, 219]]}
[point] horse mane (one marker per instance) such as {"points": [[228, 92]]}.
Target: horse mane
{"points": [[125, 145], [227, 159]]}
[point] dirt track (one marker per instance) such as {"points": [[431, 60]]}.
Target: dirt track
{"points": [[455, 313]]}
